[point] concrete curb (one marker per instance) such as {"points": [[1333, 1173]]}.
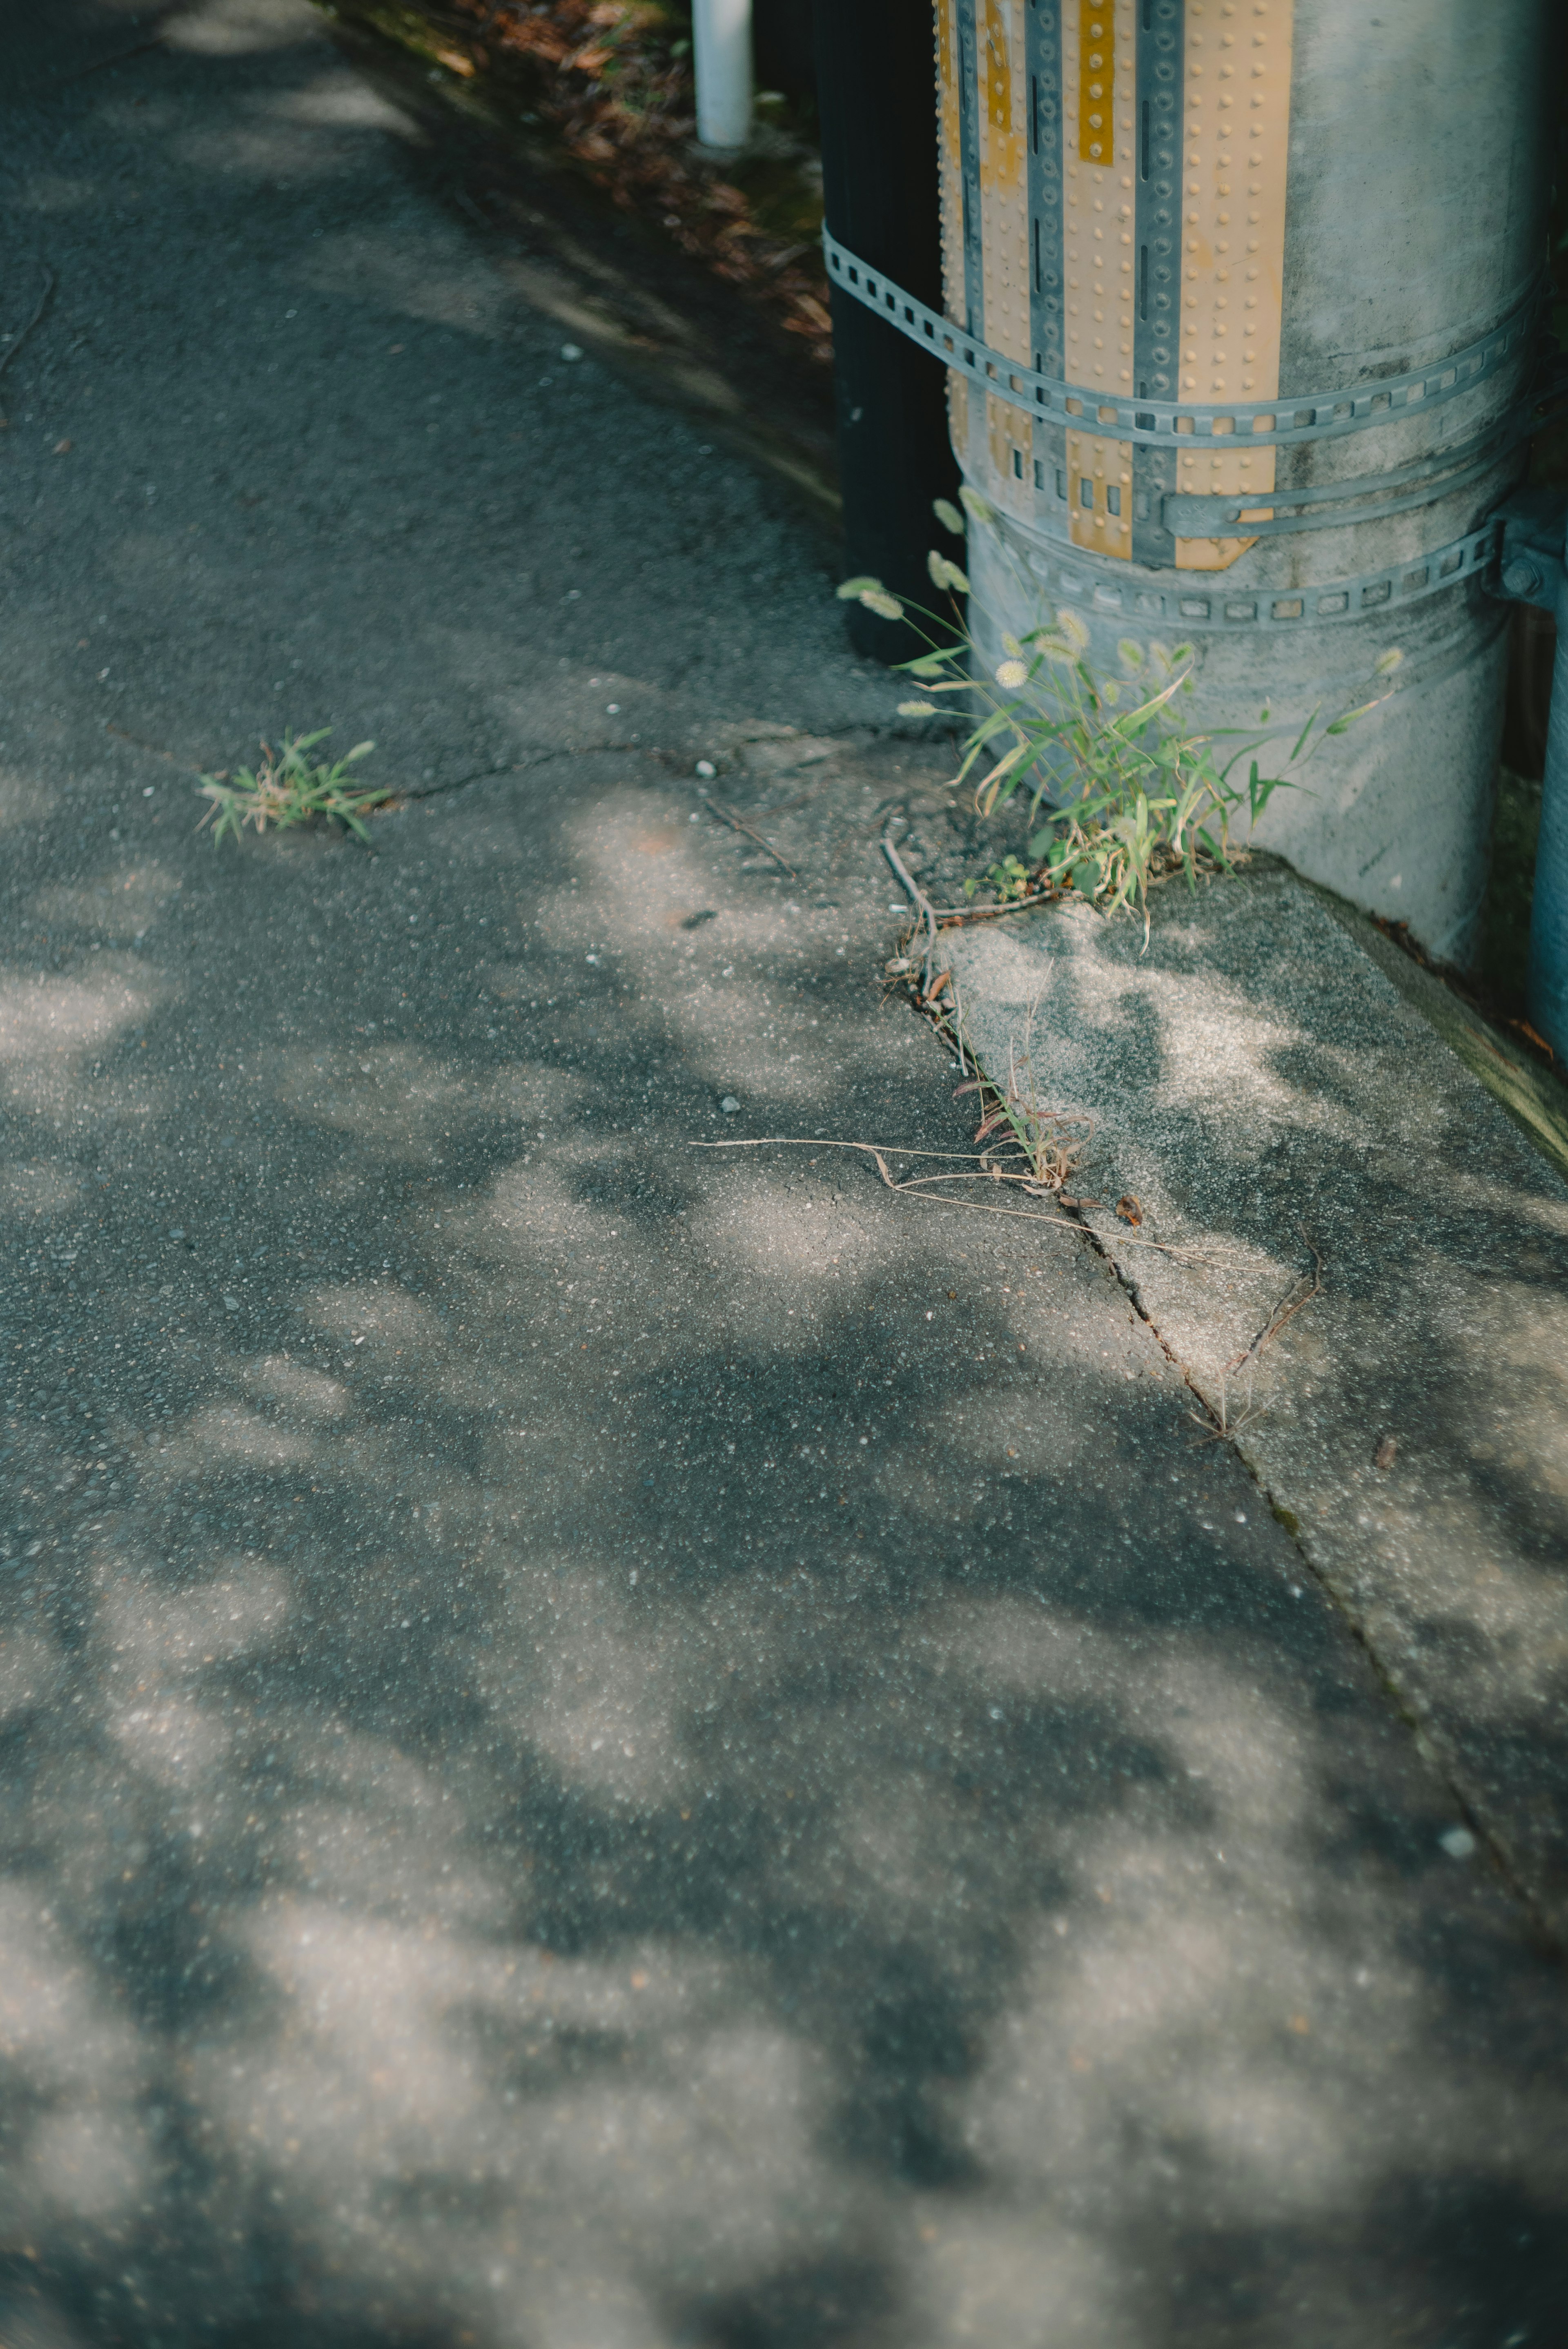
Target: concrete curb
{"points": [[1263, 1087]]}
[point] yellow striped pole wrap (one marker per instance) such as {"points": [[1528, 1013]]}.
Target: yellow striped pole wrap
{"points": [[1240, 315]]}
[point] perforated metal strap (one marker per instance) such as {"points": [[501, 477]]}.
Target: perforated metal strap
{"points": [[1257, 424], [1199, 603]]}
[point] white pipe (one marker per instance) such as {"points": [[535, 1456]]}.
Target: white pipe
{"points": [[721, 41]]}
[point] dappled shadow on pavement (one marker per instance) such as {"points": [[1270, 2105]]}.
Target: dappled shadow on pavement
{"points": [[1270, 1099], [604, 1747]]}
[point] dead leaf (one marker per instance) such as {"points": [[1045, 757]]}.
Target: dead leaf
{"points": [[62, 448], [1384, 1456], [1128, 1208]]}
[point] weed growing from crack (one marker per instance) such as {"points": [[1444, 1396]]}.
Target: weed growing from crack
{"points": [[1132, 795], [1020, 1139], [288, 789]]}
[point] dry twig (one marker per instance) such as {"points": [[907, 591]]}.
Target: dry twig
{"points": [[1290, 1305], [921, 903], [735, 823], [918, 1188], [1220, 1424]]}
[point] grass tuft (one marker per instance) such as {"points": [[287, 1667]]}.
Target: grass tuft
{"points": [[288, 788], [1131, 795]]}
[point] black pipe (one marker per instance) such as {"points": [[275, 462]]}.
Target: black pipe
{"points": [[876, 95]]}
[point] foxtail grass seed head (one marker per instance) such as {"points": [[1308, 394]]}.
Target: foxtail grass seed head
{"points": [[977, 508], [1131, 799], [948, 515], [945, 573]]}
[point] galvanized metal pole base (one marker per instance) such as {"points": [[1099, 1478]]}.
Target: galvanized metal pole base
{"points": [[1246, 289]]}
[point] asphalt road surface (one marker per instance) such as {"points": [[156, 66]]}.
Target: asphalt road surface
{"points": [[606, 1746]]}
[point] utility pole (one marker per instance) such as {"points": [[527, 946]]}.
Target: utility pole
{"points": [[876, 95]]}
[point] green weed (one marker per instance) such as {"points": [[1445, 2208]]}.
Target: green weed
{"points": [[288, 789], [1131, 794]]}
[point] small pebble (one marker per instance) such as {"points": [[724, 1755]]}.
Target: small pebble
{"points": [[570, 351], [705, 768], [1459, 1843], [729, 1105]]}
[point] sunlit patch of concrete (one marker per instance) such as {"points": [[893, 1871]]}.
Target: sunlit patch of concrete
{"points": [[191, 1455], [238, 28], [1166, 2010], [336, 101], [599, 1702], [383, 1316], [88, 2165], [404, 274], [410, 1341], [275, 1378], [80, 2151], [222, 1437], [762, 1231], [568, 2131], [1520, 1339], [369, 1849], [49, 1026], [172, 1740], [402, 1100], [675, 878], [545, 1182], [270, 145], [158, 1631], [1012, 2280]]}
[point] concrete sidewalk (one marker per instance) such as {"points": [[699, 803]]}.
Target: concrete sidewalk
{"points": [[606, 1746], [1276, 1108]]}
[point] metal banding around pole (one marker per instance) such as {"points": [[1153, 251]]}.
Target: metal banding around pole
{"points": [[1204, 601], [1282, 423]]}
